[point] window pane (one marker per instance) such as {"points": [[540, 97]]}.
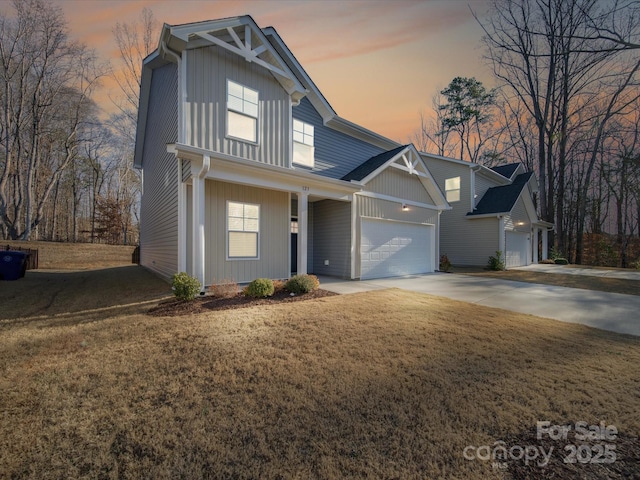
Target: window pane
{"points": [[251, 211], [298, 137], [250, 95], [250, 109], [243, 244], [308, 129], [303, 154], [452, 183], [235, 209], [453, 195], [236, 224], [234, 89], [251, 225], [298, 126], [241, 126], [234, 103]]}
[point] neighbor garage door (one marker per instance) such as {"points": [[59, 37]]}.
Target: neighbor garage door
{"points": [[390, 249], [517, 249]]}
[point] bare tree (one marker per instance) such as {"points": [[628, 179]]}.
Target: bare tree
{"points": [[46, 82]]}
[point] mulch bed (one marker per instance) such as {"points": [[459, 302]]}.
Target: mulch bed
{"points": [[175, 307]]}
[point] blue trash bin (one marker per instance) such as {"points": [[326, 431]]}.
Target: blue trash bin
{"points": [[13, 265]]}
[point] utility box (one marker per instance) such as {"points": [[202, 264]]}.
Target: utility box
{"points": [[13, 265]]}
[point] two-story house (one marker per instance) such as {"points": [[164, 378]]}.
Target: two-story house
{"points": [[249, 172], [492, 209]]}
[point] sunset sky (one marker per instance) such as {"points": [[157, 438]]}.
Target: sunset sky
{"points": [[378, 63]]}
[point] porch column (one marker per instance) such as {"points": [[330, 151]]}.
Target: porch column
{"points": [[303, 206], [182, 221], [198, 221], [501, 237], [545, 248], [535, 244]]}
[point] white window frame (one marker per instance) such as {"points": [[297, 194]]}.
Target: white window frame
{"points": [[303, 140], [451, 186], [241, 105], [243, 230]]}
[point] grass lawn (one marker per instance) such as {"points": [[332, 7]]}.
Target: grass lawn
{"points": [[385, 384]]}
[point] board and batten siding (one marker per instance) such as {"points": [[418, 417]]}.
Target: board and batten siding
{"points": [[159, 203], [336, 154], [399, 184], [274, 235], [208, 69], [332, 238]]}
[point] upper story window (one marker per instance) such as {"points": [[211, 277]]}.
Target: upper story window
{"points": [[243, 230], [303, 149], [242, 112], [452, 189]]}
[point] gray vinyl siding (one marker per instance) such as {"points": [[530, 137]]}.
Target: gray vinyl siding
{"points": [[208, 69], [399, 184], [473, 247], [186, 170], [459, 237], [274, 234], [518, 219], [482, 185], [159, 204], [336, 154], [332, 238]]}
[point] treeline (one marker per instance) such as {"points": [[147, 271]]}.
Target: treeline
{"points": [[66, 170], [566, 105]]}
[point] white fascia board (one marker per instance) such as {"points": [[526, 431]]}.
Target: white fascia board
{"points": [[487, 215], [491, 175], [390, 198], [256, 173]]}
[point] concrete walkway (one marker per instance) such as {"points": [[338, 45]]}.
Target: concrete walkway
{"points": [[609, 311], [626, 274]]}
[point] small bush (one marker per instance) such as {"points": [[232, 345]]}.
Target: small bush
{"points": [[224, 289], [496, 263], [259, 288], [636, 264], [554, 253], [561, 261], [299, 284], [445, 264], [185, 287]]}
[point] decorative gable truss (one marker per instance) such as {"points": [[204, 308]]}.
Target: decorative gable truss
{"points": [[243, 37], [406, 159]]}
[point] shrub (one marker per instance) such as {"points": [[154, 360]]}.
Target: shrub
{"points": [[259, 288], [445, 264], [185, 287], [224, 289], [554, 253], [299, 284], [496, 263], [561, 261], [547, 261], [636, 264]]}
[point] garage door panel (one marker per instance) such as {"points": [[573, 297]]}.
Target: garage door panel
{"points": [[517, 249], [394, 248]]}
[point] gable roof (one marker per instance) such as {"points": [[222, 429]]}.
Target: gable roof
{"points": [[506, 170], [501, 199], [369, 166]]}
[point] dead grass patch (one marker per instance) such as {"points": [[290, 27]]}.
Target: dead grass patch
{"points": [[385, 384], [585, 282]]}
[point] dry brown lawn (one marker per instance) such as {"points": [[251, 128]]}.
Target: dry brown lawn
{"points": [[602, 284], [385, 384]]}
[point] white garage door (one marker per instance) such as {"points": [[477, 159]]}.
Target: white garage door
{"points": [[517, 247], [390, 249]]}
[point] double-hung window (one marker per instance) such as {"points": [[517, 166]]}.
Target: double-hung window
{"points": [[243, 230], [242, 112], [452, 189], [303, 150]]}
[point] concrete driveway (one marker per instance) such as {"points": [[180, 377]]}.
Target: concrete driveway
{"points": [[624, 274], [608, 311]]}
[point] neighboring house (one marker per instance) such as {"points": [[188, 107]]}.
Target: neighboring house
{"points": [[492, 210], [248, 172]]}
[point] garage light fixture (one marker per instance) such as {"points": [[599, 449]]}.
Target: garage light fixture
{"points": [[405, 208]]}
